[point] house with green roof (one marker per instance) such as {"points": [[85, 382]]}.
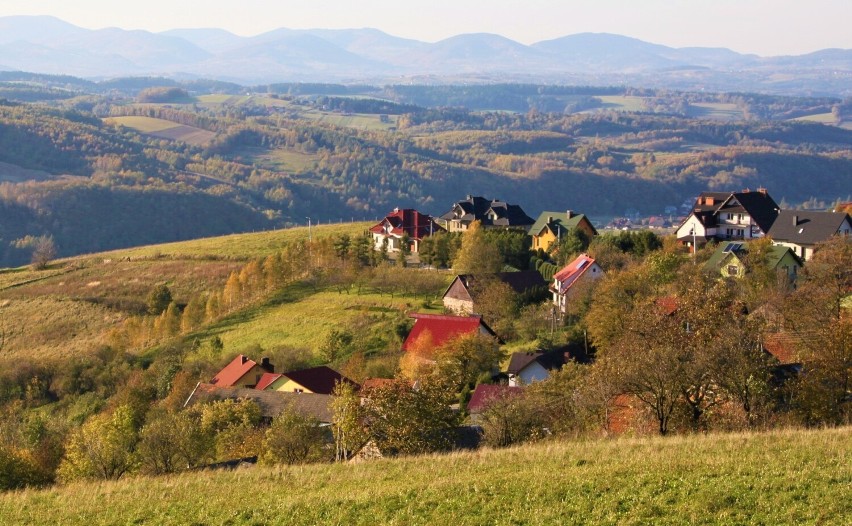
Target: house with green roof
{"points": [[551, 226], [729, 260]]}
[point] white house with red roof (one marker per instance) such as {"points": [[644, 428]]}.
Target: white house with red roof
{"points": [[242, 372], [400, 222], [581, 270]]}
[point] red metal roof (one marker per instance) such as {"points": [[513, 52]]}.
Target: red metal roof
{"points": [[570, 272], [442, 328], [485, 394], [409, 221], [266, 380], [232, 372]]}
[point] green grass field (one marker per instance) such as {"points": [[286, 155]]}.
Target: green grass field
{"points": [[143, 124], [280, 160], [784, 477], [70, 307]]}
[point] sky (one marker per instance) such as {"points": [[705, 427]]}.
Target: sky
{"points": [[763, 27]]}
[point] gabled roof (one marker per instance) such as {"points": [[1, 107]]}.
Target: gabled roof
{"points": [[320, 380], [782, 347], [572, 271], [759, 205], [443, 328], [739, 249], [232, 372], [485, 394], [558, 222], [272, 403], [266, 380], [521, 360], [520, 282], [508, 215], [407, 221], [375, 383], [806, 227], [476, 208]]}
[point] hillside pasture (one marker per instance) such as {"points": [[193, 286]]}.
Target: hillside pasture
{"points": [[239, 247], [279, 159], [823, 118], [164, 129], [784, 477]]}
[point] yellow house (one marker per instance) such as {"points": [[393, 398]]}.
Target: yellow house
{"points": [[551, 226], [242, 372], [316, 380]]}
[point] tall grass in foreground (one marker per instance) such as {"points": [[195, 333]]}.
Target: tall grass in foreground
{"points": [[783, 477]]}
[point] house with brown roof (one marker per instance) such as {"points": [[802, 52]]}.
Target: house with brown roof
{"points": [[460, 296], [316, 380], [528, 367], [490, 213], [726, 216], [242, 372], [802, 230], [271, 403], [551, 226], [583, 269], [401, 223]]}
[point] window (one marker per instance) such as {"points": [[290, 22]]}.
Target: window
{"points": [[733, 270]]}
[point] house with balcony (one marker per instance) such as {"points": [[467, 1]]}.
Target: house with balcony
{"points": [[401, 225], [726, 216]]}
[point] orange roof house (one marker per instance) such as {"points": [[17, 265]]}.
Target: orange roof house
{"points": [[242, 372], [581, 269]]}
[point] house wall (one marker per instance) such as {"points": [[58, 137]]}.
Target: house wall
{"points": [[457, 298], [691, 223], [534, 372], [803, 251], [544, 240], [286, 385], [561, 300], [251, 378]]}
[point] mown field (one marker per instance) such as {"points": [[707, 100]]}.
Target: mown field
{"points": [[784, 477]]}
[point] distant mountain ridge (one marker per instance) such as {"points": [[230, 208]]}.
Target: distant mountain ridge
{"points": [[48, 45]]}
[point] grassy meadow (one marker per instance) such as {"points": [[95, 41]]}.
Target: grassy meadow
{"points": [[782, 477], [70, 307], [164, 129]]}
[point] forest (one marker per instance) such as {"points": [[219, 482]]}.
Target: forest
{"points": [[99, 165]]}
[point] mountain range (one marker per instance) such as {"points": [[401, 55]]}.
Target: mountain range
{"points": [[48, 45]]}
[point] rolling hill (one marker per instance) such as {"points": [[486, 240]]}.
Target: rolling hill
{"points": [[49, 45]]}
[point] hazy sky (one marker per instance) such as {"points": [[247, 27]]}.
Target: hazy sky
{"points": [[765, 27]]}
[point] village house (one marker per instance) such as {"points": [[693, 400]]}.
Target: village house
{"points": [[582, 270], [729, 260], [440, 329], [802, 230], [401, 224], [528, 367], [271, 403], [460, 296], [242, 372], [490, 214], [551, 226], [316, 380], [725, 216]]}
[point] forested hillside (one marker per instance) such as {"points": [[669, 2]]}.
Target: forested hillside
{"points": [[102, 166]]}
